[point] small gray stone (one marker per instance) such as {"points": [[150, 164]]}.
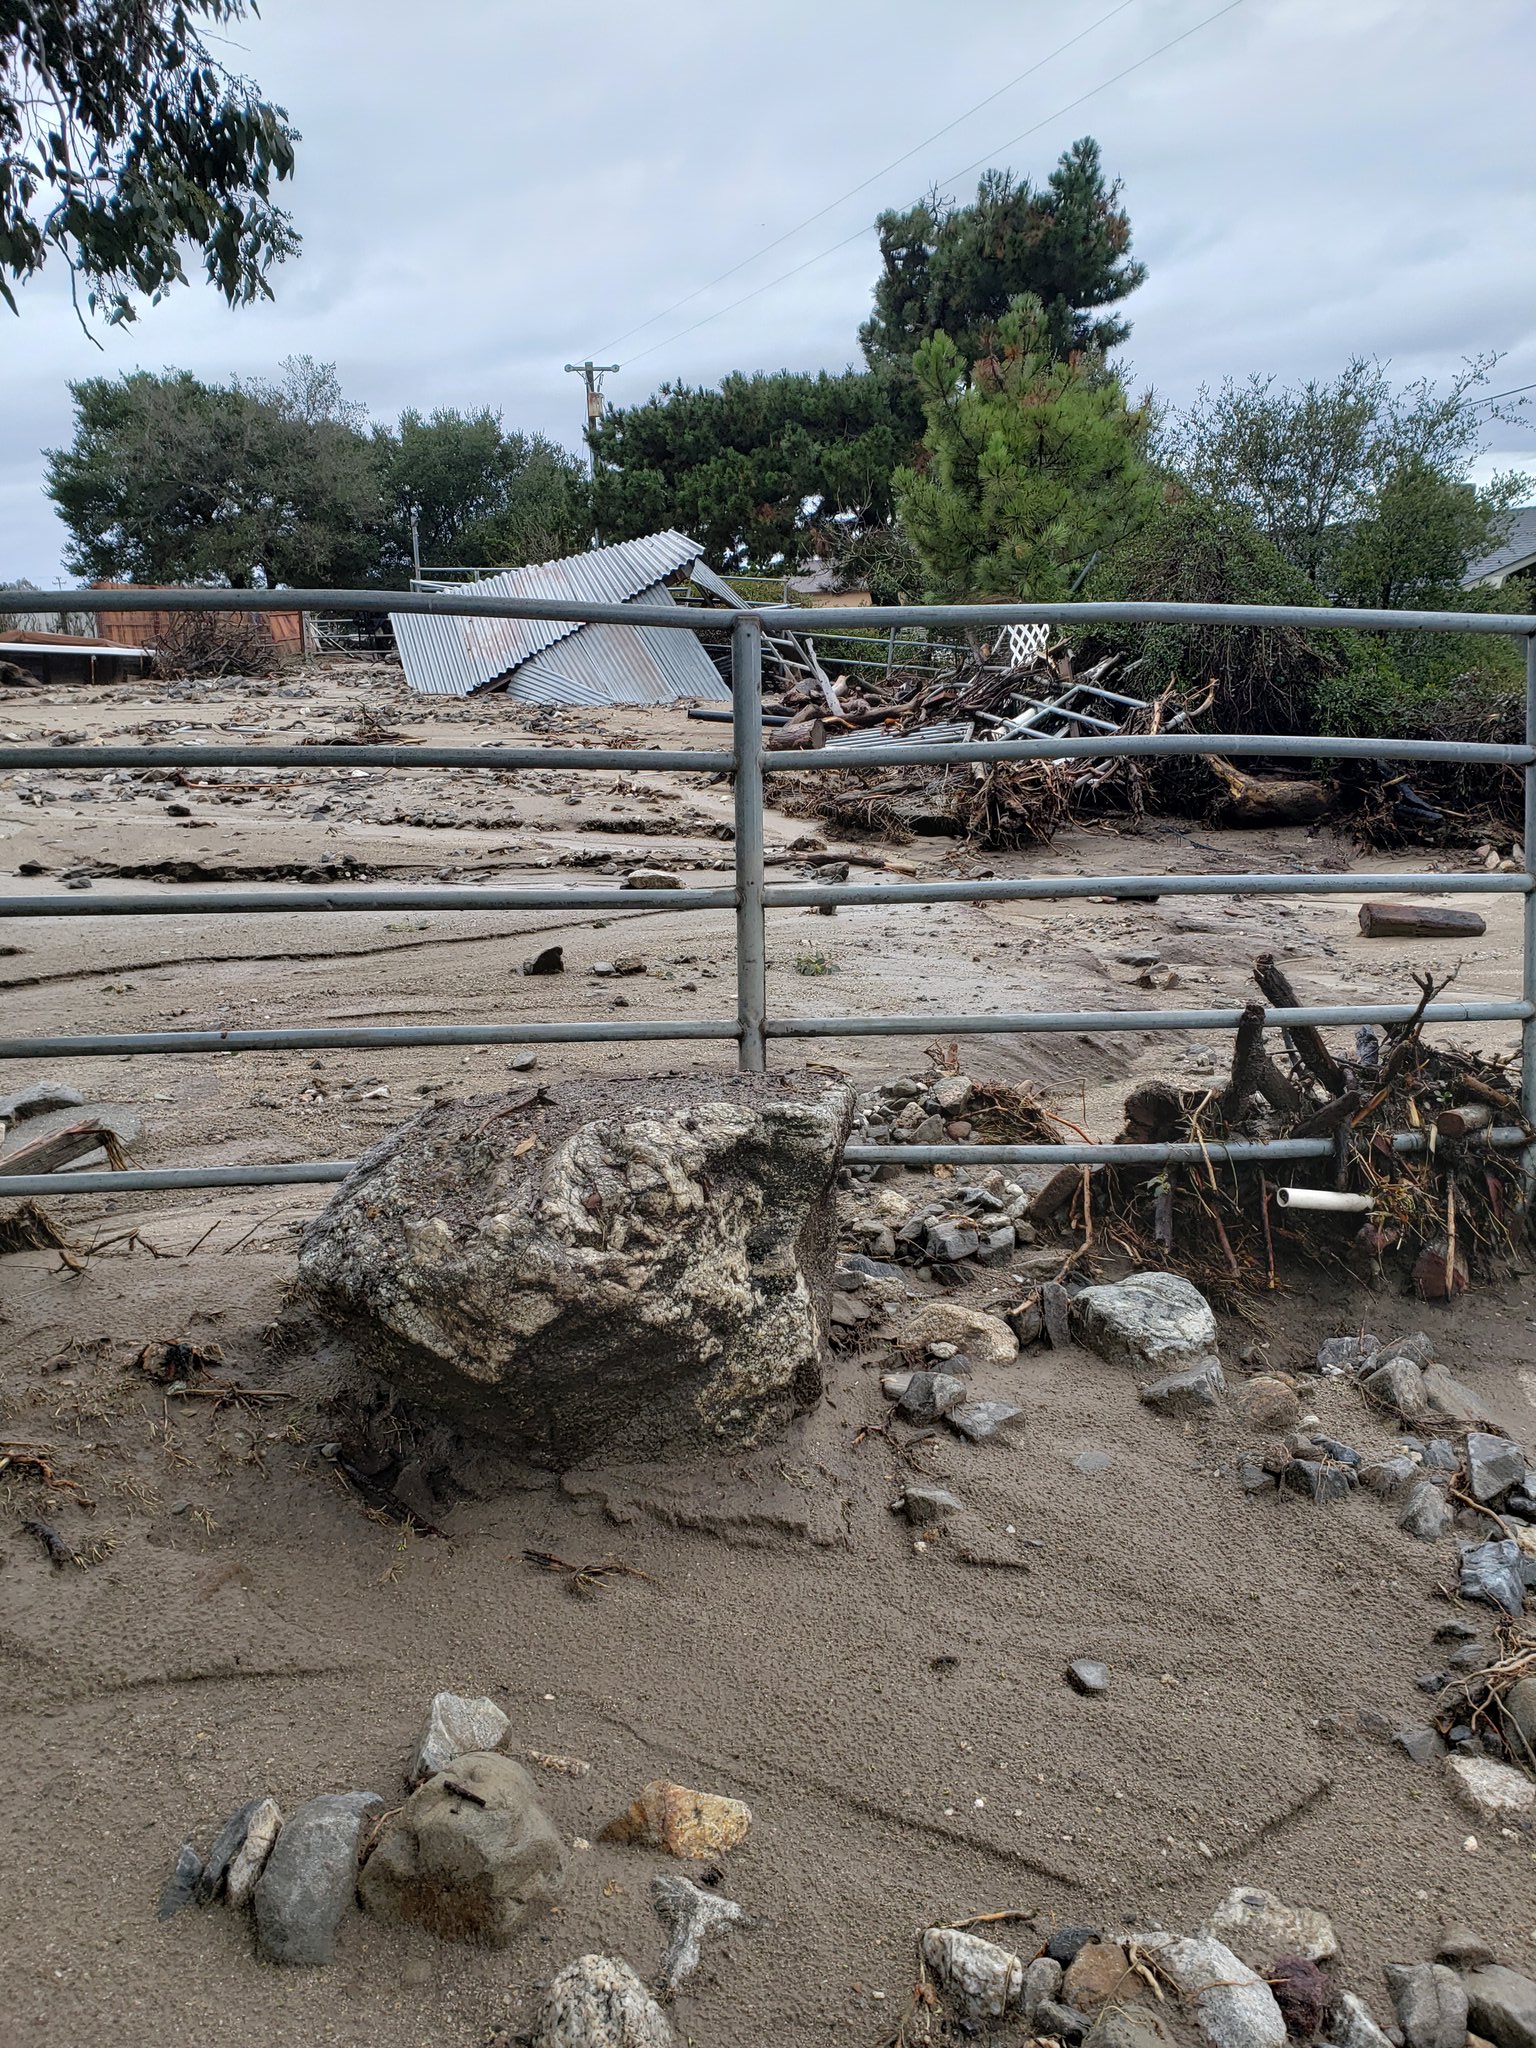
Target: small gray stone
{"points": [[1430, 2004], [227, 1844], [1090, 1462], [1398, 1384], [1258, 1927], [1186, 1393], [1345, 1354], [1418, 1348], [651, 878], [1492, 1572], [952, 1240], [1231, 2005], [1494, 1465], [1152, 1322], [1319, 1479], [1502, 2005], [1422, 1744], [311, 1876], [930, 1395], [1057, 2022], [929, 1507], [455, 1727], [689, 1915], [1041, 1980], [550, 961], [1440, 1455], [981, 1421], [261, 1833], [469, 1856], [38, 1100], [1519, 1705], [1128, 2026], [1087, 1675], [523, 1062], [1447, 1396], [1463, 1950], [981, 1980], [1066, 1943], [1352, 2025], [180, 1888], [1426, 1512], [1391, 1477], [599, 2002]]}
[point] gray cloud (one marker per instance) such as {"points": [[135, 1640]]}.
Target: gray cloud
{"points": [[505, 188]]}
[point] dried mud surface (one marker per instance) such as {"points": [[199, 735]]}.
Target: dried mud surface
{"points": [[896, 1718]]}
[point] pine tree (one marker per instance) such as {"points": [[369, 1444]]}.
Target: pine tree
{"points": [[1032, 464]]}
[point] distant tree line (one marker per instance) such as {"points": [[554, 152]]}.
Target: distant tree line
{"points": [[169, 479]]}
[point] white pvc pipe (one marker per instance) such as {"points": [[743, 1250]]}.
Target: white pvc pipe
{"points": [[1323, 1198]]}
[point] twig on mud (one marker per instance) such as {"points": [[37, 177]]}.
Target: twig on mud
{"points": [[586, 1578]]}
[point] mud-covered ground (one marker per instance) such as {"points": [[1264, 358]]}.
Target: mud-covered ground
{"points": [[896, 1718]]}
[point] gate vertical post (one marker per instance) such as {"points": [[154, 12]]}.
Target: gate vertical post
{"points": [[751, 934]]}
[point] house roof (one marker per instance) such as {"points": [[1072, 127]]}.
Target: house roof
{"points": [[1515, 552], [555, 661]]}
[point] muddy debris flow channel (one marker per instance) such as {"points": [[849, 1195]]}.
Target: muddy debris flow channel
{"points": [[1095, 1656]]}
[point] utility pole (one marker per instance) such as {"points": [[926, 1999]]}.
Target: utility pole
{"points": [[592, 375]]}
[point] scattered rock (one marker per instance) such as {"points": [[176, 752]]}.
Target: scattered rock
{"points": [[1232, 2007], [1494, 1465], [948, 1238], [1091, 1462], [1133, 2026], [985, 1338], [689, 1915], [1186, 1393], [1346, 1354], [523, 1062], [1042, 1981], [1493, 1790], [1153, 1322], [455, 1727], [1492, 1572], [550, 961], [261, 1832], [929, 1507], [651, 878], [1302, 1993], [981, 1980], [469, 1855], [1391, 1477], [1352, 2025], [1065, 1943], [1502, 2004], [1270, 1405], [1430, 2004], [1100, 1974], [684, 1823], [310, 1877], [227, 1844], [951, 1093], [1519, 1705], [1258, 1927], [1087, 1675], [1056, 1314], [1426, 1512], [1398, 1384], [1320, 1479], [981, 1421], [1057, 2022], [38, 1100], [652, 1272], [929, 1395], [1420, 1743], [180, 1888], [1418, 1348], [599, 2002], [1447, 1396], [1462, 1949]]}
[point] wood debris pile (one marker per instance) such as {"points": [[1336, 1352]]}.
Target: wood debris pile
{"points": [[1452, 1210]]}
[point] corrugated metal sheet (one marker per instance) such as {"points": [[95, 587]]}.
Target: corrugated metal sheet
{"points": [[923, 736], [622, 665], [448, 657]]}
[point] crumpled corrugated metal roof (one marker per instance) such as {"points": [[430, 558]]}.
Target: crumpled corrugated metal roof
{"points": [[622, 665], [449, 657]]}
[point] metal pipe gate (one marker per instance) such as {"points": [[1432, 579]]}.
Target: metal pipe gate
{"points": [[751, 897]]}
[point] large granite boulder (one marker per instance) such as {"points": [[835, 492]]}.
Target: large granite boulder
{"points": [[614, 1267]]}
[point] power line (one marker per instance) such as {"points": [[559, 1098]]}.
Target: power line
{"points": [[863, 186], [1011, 143], [1494, 396]]}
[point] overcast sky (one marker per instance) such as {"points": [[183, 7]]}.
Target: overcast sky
{"points": [[489, 189]]}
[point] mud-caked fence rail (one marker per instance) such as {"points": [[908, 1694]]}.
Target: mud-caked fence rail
{"points": [[751, 897]]}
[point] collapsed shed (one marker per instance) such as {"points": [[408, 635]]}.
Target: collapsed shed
{"points": [[555, 661], [37, 657]]}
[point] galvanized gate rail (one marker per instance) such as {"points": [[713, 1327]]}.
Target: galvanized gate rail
{"points": [[751, 897]]}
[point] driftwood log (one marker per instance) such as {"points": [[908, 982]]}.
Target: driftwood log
{"points": [[1419, 921], [1306, 1039], [1268, 800]]}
